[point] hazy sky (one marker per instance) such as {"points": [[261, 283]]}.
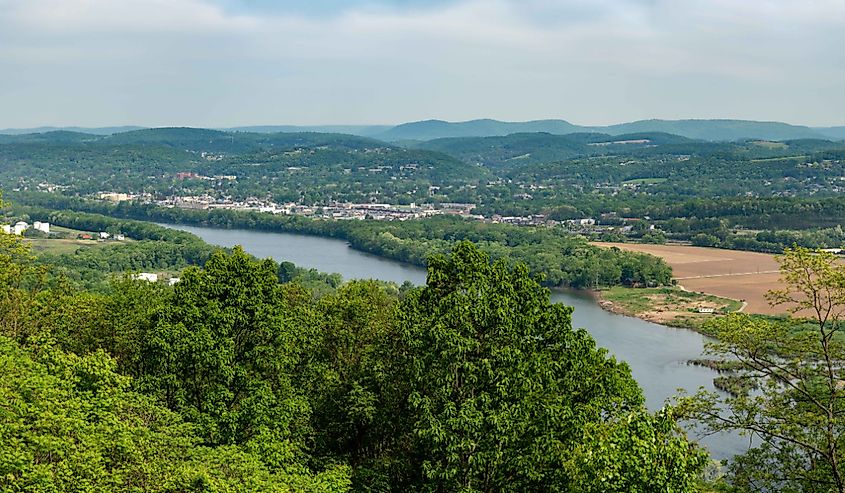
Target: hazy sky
{"points": [[241, 62]]}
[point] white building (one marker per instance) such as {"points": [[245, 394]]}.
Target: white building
{"points": [[104, 235], [173, 280], [7, 229], [146, 276], [119, 237], [20, 227], [43, 227]]}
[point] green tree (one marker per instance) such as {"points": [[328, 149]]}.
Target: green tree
{"points": [[508, 397], [797, 412], [360, 389], [223, 351], [70, 424]]}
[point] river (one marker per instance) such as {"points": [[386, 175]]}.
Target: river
{"points": [[656, 354]]}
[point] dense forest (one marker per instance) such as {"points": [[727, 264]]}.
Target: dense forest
{"points": [[248, 375], [232, 380]]}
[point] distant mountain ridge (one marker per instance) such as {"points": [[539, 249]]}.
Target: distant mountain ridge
{"points": [[360, 130], [83, 130], [835, 133], [440, 129], [713, 130]]}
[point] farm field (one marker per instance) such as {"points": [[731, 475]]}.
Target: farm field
{"points": [[725, 273], [59, 246], [65, 240]]}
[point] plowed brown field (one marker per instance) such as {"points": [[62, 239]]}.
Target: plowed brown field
{"points": [[745, 276]]}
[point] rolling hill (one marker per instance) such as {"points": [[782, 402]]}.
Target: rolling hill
{"points": [[713, 130], [524, 148]]}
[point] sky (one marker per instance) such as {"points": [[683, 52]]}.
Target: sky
{"points": [[223, 63]]}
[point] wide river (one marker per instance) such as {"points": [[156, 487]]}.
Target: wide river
{"points": [[656, 354]]}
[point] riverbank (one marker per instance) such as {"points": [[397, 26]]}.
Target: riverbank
{"points": [[729, 274], [670, 306]]}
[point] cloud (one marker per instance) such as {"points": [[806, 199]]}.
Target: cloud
{"points": [[235, 61]]}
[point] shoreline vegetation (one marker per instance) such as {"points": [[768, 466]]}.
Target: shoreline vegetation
{"points": [[562, 259], [671, 306], [413, 241], [664, 304]]}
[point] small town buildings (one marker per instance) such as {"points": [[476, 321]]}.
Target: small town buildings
{"points": [[146, 276], [43, 227], [6, 229], [20, 227], [706, 310], [116, 196], [104, 235]]}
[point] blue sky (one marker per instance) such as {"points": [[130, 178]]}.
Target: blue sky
{"points": [[245, 62]]}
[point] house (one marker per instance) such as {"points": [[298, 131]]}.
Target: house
{"points": [[20, 227], [587, 222], [173, 280], [43, 227], [119, 237], [7, 229], [85, 236], [116, 197], [104, 235], [706, 310], [146, 276]]}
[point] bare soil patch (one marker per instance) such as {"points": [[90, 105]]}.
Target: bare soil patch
{"points": [[745, 276]]}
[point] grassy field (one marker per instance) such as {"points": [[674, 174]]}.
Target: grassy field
{"points": [[745, 276], [59, 230], [668, 306], [770, 145], [644, 181], [64, 240], [58, 246]]}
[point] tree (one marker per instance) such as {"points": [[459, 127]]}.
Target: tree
{"points": [[225, 349], [359, 389], [797, 411], [507, 396], [21, 280], [71, 423]]}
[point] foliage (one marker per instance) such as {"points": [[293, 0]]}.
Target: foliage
{"points": [[231, 380], [796, 413], [504, 391], [224, 349], [71, 424]]}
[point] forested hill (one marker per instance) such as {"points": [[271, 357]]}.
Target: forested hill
{"points": [[186, 160], [86, 130], [519, 150], [523, 148], [51, 137], [713, 130], [437, 129], [200, 139]]}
